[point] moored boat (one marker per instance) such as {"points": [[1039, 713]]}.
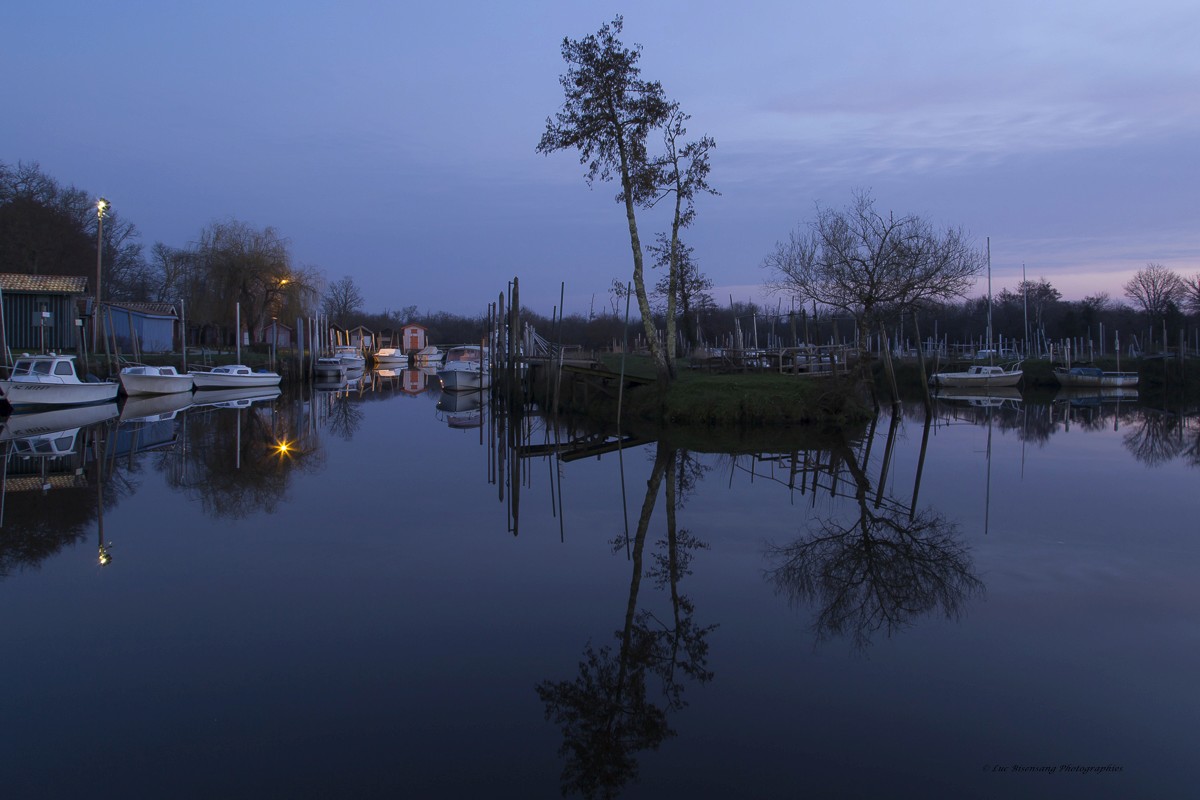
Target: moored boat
{"points": [[466, 368], [50, 380], [429, 356], [143, 379], [980, 375], [233, 376], [1086, 376], [390, 355], [351, 356]]}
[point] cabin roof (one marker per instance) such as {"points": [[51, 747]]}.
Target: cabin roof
{"points": [[64, 284], [149, 309]]}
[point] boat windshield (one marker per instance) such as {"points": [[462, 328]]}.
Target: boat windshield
{"points": [[463, 354]]}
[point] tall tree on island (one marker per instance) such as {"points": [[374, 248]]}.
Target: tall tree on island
{"points": [[682, 173], [607, 113]]}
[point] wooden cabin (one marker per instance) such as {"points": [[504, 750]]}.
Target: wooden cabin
{"points": [[286, 334], [412, 338], [41, 312]]}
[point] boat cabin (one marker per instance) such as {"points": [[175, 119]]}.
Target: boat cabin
{"points": [[49, 368]]}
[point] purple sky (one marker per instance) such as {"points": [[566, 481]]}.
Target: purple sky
{"points": [[396, 144]]}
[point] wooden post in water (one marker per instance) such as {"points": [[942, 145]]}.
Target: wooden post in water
{"points": [[921, 365]]}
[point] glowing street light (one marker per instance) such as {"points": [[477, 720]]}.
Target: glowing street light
{"points": [[102, 207]]}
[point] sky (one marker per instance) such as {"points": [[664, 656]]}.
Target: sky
{"points": [[395, 143]]}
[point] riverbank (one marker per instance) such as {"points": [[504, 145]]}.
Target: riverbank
{"points": [[731, 401]]}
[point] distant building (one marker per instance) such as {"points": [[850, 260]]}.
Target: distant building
{"points": [[362, 338], [277, 334], [155, 326], [412, 337], [41, 312]]}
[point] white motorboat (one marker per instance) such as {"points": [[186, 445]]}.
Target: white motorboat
{"points": [[351, 356], [234, 376], [390, 355], [429, 356], [983, 376], [50, 380], [466, 368], [142, 379]]}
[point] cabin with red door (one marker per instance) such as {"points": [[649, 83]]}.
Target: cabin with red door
{"points": [[412, 338]]}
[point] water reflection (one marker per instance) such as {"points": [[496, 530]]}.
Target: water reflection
{"points": [[238, 455], [50, 490], [618, 704], [879, 564]]}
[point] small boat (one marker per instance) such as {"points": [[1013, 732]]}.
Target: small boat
{"points": [[142, 379], [981, 376], [466, 369], [50, 380], [234, 376], [390, 355], [350, 356], [1085, 376], [428, 356]]}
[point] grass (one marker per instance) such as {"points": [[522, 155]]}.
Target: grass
{"points": [[738, 400]]}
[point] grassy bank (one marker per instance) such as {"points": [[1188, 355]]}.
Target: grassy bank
{"points": [[751, 400]]}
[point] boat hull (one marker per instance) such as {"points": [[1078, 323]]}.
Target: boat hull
{"points": [[207, 380], [964, 381], [460, 380], [155, 384], [36, 394], [1094, 378]]}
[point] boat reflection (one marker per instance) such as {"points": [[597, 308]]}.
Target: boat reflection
{"points": [[461, 409], [154, 407], [50, 490], [234, 398]]}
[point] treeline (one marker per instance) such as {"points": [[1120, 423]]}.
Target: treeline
{"points": [[50, 229]]}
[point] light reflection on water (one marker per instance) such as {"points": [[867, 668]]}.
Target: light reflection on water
{"points": [[384, 590]]}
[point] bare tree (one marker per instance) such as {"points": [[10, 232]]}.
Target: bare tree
{"points": [[872, 266], [1192, 296], [342, 300], [1156, 290]]}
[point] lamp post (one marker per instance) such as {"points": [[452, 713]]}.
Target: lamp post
{"points": [[102, 207]]}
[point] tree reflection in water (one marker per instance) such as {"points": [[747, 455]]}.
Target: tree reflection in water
{"points": [[236, 462], [879, 568], [607, 713], [1156, 437]]}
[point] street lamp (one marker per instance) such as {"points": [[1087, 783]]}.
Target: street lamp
{"points": [[102, 207]]}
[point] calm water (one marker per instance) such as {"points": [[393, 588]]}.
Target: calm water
{"points": [[405, 605]]}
